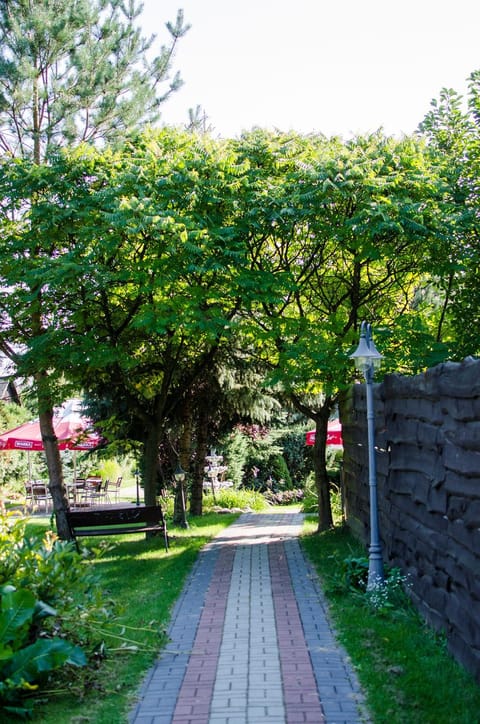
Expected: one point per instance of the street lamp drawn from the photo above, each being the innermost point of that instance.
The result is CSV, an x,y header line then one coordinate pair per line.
x,y
367,359
137,482
181,517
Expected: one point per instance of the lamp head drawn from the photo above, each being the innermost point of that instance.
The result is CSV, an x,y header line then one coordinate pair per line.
x,y
179,473
366,356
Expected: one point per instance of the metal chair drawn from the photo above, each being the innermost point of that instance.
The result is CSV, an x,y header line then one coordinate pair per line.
x,y
105,497
116,492
29,499
38,494
92,491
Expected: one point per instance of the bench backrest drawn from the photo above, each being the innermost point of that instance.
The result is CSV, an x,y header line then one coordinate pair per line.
x,y
151,514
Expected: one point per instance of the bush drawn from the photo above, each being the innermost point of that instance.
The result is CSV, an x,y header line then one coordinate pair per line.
x,y
266,459
310,500
279,473
235,451
380,597
267,469
230,498
284,497
51,609
297,456
355,573
334,465
24,664
310,497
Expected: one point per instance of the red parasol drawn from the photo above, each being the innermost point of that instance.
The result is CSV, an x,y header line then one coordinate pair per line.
x,y
334,434
73,431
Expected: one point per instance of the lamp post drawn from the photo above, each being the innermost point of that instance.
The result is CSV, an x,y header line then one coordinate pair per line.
x,y
137,482
367,358
179,475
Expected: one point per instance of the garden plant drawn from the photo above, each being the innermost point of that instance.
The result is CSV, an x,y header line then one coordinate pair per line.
x,y
109,605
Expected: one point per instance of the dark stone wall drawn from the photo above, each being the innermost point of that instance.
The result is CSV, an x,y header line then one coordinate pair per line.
x,y
427,444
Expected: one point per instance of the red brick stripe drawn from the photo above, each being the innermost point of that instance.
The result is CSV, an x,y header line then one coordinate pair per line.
x,y
194,699
301,700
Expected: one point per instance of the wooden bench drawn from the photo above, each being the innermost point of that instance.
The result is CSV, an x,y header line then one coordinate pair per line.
x,y
118,521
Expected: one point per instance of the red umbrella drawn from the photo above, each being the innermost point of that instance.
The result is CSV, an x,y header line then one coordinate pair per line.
x,y
73,431
334,434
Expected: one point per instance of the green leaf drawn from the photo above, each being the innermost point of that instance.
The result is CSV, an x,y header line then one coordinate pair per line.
x,y
43,656
17,608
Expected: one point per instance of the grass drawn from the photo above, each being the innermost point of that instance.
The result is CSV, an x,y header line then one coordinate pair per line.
x,y
144,581
404,667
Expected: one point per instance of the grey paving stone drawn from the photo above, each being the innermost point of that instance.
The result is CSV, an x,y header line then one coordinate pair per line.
x,y
248,686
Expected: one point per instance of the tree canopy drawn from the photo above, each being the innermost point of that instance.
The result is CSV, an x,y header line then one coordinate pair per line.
x,y
147,275
449,299
173,249
149,272
346,226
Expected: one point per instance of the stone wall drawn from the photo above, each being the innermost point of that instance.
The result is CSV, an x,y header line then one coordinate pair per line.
x,y
428,474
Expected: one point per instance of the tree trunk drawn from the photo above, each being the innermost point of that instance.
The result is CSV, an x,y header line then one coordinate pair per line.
x,y
320,416
325,519
150,465
196,493
185,446
52,454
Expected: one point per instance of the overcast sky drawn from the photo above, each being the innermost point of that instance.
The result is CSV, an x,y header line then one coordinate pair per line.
x,y
336,67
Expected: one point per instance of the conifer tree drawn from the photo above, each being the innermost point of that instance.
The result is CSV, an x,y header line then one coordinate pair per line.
x,y
78,70
71,71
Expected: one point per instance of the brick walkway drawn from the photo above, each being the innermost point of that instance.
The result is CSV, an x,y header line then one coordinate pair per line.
x,y
250,641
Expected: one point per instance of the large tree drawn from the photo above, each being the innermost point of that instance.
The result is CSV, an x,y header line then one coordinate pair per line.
x,y
345,224
70,72
78,70
147,277
449,298
167,252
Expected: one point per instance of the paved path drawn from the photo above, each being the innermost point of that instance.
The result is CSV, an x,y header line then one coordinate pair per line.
x,y
250,641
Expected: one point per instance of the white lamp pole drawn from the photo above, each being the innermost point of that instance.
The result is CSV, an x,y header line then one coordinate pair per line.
x,y
367,358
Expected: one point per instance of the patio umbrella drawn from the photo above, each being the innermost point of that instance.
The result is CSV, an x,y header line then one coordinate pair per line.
x,y
72,429
334,434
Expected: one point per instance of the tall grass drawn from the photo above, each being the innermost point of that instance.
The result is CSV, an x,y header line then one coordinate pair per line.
x,y
232,498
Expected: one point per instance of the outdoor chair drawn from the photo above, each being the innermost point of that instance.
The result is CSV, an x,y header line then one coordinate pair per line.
x,y
105,497
29,500
37,495
92,492
75,491
116,491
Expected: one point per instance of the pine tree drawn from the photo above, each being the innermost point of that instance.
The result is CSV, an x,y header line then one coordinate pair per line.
x,y
78,70
71,71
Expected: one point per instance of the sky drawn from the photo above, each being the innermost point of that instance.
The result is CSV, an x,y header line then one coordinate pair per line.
x,y
338,67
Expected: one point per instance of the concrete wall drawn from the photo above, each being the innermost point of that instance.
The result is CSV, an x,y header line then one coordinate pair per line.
x,y
428,474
